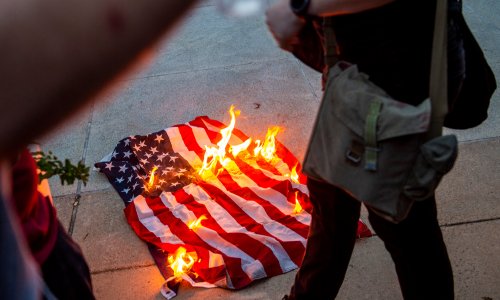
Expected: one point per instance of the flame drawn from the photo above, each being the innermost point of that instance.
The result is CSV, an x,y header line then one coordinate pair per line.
x,y
298,208
218,154
269,147
294,176
215,156
151,181
181,262
236,149
257,148
196,223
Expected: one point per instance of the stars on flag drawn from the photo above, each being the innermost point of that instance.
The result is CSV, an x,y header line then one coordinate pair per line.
x,y
109,166
161,157
153,150
130,178
159,138
127,154
123,168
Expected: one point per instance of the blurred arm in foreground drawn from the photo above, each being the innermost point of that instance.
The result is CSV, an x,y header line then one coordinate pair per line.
x,y
285,25
58,55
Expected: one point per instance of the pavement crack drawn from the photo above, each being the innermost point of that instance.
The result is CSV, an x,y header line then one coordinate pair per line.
x,y
470,222
311,88
122,268
205,69
76,203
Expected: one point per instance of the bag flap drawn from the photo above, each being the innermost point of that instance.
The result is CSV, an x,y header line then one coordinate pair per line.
x,y
352,93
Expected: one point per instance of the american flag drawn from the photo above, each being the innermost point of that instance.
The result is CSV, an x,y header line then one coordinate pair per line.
x,y
251,230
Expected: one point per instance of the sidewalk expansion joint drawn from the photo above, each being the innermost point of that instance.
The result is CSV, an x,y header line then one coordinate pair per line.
x,y
76,203
206,69
478,140
470,222
122,269
78,196
311,88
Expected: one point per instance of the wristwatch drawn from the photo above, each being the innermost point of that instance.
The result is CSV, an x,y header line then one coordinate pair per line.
x,y
300,7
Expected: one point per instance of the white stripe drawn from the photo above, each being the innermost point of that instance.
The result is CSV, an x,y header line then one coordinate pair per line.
x,y
229,224
153,224
253,268
178,146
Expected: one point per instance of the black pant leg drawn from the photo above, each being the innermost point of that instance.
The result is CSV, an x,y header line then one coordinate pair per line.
x,y
330,243
418,251
65,271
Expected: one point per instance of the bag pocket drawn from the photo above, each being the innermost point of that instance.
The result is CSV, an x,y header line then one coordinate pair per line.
x,y
435,159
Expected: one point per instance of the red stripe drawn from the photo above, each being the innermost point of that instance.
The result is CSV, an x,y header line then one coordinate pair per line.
x,y
190,141
180,229
254,248
290,160
143,232
261,179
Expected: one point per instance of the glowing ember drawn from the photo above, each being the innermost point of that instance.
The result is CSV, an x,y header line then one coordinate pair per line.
x,y
298,208
181,262
196,223
151,181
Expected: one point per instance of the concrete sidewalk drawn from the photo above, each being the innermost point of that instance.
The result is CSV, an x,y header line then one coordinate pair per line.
x,y
213,62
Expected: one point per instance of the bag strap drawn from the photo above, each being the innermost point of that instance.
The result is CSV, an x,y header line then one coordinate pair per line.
x,y
438,86
331,50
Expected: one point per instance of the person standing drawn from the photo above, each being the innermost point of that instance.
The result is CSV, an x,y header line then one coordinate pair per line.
x,y
391,41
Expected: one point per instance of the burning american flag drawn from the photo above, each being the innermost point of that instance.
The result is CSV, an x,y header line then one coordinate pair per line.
x,y
227,209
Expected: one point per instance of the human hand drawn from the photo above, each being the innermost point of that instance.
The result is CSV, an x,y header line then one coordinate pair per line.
x,y
283,24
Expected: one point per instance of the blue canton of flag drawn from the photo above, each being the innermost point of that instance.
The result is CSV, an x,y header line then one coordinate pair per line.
x,y
133,160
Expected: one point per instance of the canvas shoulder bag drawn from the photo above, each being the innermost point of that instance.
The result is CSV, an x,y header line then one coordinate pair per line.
x,y
385,153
